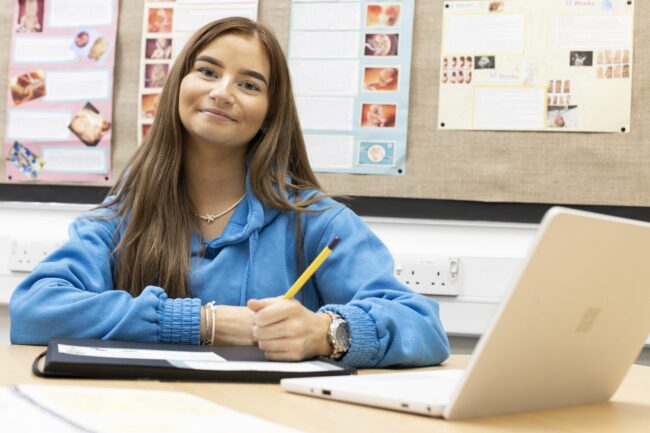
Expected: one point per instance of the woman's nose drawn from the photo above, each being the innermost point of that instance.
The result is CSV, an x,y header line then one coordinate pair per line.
x,y
222,92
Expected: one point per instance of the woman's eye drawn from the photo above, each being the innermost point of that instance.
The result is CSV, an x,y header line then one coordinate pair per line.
x,y
249,85
207,72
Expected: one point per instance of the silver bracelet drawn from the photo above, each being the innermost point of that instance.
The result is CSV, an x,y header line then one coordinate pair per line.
x,y
206,339
213,319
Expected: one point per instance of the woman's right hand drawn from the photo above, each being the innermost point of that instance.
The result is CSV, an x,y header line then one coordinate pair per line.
x,y
233,326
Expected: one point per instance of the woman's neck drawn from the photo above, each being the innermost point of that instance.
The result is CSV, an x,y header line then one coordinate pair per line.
x,y
215,178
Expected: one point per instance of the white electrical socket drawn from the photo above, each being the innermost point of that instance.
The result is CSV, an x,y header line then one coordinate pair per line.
x,y
429,275
25,254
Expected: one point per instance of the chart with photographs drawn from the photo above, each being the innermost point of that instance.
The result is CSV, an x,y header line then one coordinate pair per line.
x,y
554,65
60,96
167,25
350,62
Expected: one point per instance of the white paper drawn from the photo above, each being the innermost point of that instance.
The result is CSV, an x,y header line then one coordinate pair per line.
x,y
40,51
19,415
123,353
509,108
591,31
327,45
86,160
77,85
120,410
293,367
178,44
43,125
78,13
189,20
484,34
326,16
330,151
326,113
333,77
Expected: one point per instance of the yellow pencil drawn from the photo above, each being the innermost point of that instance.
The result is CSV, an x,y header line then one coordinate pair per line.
x,y
311,269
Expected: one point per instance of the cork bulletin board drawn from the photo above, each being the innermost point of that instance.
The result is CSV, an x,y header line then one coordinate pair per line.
x,y
483,166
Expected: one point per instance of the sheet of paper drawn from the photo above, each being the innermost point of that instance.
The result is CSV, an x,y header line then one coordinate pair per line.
x,y
350,63
330,152
293,367
119,410
509,108
553,65
59,103
123,353
165,29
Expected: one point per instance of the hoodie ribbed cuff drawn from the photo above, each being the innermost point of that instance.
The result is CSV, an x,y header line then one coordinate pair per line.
x,y
180,321
365,344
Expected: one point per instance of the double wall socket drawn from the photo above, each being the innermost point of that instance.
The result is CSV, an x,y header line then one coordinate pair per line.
x,y
25,254
429,275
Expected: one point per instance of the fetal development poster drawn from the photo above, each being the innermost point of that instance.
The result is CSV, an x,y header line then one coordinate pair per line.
x,y
351,65
552,65
59,102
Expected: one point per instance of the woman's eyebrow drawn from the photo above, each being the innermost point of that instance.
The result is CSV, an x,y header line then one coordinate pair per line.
x,y
219,63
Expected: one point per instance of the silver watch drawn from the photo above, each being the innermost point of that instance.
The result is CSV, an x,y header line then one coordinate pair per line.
x,y
338,335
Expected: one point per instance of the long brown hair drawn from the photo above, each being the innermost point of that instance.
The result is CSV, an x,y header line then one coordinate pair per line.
x,y
150,197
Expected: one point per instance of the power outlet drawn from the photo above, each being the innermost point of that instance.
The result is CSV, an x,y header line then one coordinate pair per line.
x,y
428,275
26,254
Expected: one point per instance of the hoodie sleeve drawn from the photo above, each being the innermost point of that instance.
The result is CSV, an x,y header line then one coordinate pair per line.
x,y
390,324
70,294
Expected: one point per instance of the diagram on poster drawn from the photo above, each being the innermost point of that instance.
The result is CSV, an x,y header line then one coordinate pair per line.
x,y
167,25
350,62
553,65
59,102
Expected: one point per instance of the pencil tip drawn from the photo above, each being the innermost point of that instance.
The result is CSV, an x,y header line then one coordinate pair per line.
x,y
334,243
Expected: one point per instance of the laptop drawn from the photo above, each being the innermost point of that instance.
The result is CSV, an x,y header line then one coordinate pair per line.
x,y
574,321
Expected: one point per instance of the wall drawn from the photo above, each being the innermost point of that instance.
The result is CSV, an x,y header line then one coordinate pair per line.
x,y
523,167
489,253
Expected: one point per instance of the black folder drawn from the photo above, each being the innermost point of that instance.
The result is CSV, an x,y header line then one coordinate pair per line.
x,y
67,364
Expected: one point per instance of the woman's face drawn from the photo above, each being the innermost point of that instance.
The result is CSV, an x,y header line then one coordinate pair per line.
x,y
223,100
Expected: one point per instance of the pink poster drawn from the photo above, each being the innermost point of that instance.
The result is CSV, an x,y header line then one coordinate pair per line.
x,y
59,103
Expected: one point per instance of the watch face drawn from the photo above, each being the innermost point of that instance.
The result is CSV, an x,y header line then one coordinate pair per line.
x,y
343,336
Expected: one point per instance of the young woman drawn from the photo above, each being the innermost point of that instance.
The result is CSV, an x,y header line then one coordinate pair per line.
x,y
220,205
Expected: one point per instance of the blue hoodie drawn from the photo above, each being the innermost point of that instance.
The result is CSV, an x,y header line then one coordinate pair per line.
x,y
71,294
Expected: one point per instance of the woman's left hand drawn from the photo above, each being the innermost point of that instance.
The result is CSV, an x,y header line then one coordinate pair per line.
x,y
287,331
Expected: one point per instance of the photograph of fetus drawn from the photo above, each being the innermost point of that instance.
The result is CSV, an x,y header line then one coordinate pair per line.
x,y
381,44
89,125
383,15
149,105
381,79
562,116
98,49
581,58
27,87
155,75
457,69
613,64
378,115
160,20
30,16
158,49
377,153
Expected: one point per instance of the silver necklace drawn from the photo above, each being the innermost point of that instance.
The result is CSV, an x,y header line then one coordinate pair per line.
x,y
210,218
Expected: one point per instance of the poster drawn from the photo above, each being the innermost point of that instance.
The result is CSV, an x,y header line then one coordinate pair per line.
x,y
351,64
553,65
59,103
166,27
